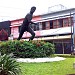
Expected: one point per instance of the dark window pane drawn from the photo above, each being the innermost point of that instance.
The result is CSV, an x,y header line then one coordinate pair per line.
x,y
60,22
51,24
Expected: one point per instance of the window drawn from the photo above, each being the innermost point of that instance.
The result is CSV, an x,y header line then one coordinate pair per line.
x,y
60,22
67,48
58,48
55,24
65,22
37,26
19,28
70,21
47,25
40,26
51,24
43,25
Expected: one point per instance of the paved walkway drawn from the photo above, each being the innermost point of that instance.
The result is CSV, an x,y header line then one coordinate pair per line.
x,y
40,59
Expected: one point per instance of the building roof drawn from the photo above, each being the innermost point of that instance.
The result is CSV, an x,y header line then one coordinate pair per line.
x,y
71,9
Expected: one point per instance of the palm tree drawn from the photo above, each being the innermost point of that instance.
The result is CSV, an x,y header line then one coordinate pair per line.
x,y
9,66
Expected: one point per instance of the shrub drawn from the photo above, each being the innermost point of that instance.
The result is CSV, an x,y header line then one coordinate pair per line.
x,y
9,66
7,47
27,49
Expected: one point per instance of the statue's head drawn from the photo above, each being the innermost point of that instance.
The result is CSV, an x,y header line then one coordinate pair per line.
x,y
32,9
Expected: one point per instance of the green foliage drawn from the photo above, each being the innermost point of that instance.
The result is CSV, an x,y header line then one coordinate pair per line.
x,y
7,47
8,66
27,49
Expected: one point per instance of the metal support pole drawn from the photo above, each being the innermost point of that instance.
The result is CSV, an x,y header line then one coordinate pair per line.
x,y
74,39
74,34
71,33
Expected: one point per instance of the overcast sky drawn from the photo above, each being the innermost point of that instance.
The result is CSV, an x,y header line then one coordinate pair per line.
x,y
15,9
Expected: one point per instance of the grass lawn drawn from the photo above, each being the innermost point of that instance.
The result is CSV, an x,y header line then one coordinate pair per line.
x,y
50,68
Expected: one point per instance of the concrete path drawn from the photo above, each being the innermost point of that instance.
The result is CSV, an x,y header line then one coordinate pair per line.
x,y
40,59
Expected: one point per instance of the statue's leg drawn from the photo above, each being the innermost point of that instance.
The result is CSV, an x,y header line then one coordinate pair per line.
x,y
31,31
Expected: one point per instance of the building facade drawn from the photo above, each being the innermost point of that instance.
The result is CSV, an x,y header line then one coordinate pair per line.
x,y
55,27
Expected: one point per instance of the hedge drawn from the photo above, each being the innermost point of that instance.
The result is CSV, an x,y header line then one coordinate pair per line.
x,y
27,49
